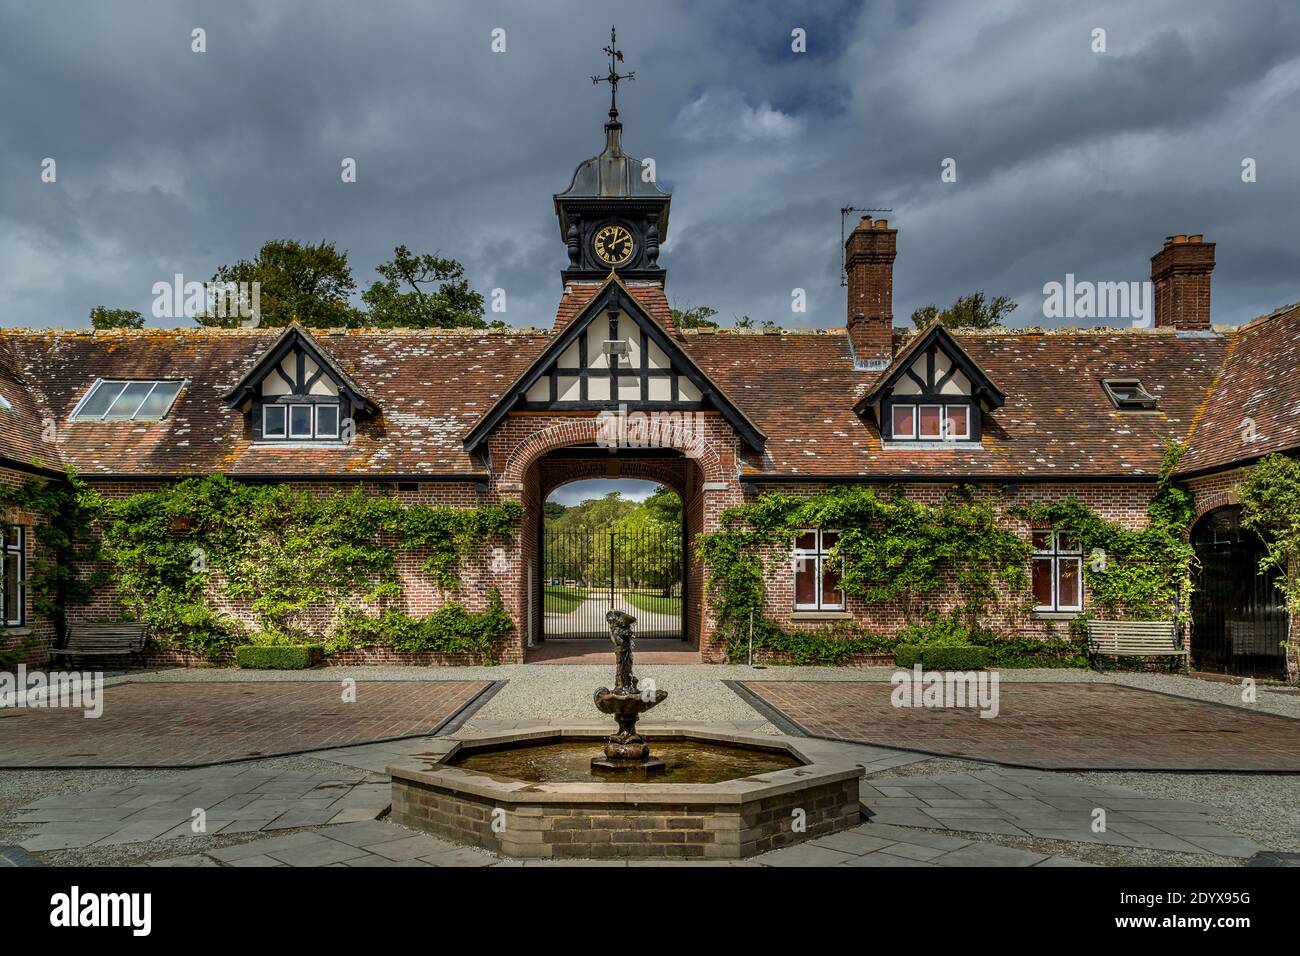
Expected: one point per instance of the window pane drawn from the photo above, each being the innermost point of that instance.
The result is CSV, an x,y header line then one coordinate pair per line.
x,y
327,421
930,416
128,401
1042,540
1067,588
904,421
1043,582
828,539
273,421
958,423
159,400
12,612
299,421
831,596
1066,542
806,541
805,582
100,399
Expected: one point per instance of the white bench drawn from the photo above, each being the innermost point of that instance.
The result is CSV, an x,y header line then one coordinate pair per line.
x,y
1133,639
102,640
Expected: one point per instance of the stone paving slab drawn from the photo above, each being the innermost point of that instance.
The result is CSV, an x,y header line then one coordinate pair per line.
x,y
190,724
1051,806
1058,725
246,800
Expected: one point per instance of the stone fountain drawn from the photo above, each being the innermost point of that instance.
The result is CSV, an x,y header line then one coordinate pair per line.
x,y
571,791
626,750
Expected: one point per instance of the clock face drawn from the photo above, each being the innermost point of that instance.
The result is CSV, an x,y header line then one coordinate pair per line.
x,y
613,245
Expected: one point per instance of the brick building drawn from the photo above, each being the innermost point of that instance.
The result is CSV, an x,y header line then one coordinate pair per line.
x,y
461,417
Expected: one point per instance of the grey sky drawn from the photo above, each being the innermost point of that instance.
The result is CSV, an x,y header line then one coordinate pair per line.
x,y
1068,161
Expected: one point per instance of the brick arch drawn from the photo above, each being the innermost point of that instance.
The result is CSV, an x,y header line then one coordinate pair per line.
x,y
1220,499
586,430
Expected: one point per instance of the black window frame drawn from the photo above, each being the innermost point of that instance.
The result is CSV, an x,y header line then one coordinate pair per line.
x,y
1140,401
287,402
973,427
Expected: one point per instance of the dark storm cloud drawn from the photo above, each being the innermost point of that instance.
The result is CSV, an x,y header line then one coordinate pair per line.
x,y
1068,160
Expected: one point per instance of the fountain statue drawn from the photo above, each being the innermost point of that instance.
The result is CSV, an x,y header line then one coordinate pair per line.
x,y
626,750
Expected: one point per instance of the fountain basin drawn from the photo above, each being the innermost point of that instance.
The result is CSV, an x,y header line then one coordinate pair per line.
x,y
439,792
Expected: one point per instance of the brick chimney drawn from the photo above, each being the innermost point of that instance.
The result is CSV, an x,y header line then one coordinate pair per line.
x,y
1180,280
869,261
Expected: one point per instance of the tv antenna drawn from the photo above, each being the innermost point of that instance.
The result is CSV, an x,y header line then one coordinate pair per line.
x,y
844,217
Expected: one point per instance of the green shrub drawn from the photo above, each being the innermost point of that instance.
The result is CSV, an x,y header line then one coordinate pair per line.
x,y
278,657
450,630
949,657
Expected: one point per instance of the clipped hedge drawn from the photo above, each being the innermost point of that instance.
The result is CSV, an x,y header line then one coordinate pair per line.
x,y
279,657
950,657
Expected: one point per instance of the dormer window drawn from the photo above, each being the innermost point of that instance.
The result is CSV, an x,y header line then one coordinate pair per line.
x,y
298,394
1128,395
118,400
933,393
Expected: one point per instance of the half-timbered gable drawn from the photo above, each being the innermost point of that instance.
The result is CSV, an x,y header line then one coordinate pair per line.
x,y
612,356
297,393
934,391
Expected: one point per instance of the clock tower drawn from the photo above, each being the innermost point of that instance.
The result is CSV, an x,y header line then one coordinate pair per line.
x,y
613,216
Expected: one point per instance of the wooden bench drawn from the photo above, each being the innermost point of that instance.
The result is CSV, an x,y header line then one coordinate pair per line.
x,y
102,640
1133,639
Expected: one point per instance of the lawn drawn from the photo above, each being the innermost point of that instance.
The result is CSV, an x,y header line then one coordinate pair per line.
x,y
654,603
562,600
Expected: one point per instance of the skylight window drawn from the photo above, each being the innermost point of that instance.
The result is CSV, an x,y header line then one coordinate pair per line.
x,y
4,405
114,400
1127,394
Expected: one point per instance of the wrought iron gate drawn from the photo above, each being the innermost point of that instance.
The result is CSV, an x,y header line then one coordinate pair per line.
x,y
587,573
1239,620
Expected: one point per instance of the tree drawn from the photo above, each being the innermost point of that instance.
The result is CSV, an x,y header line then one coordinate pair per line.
x,y
102,317
310,284
968,312
697,317
406,297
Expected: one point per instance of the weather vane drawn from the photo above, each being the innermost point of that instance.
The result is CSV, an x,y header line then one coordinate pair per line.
x,y
615,58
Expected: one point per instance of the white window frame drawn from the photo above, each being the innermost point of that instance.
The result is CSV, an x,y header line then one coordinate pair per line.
x,y
316,420
311,421
314,434
8,548
1055,554
916,423
943,426
284,433
818,555
945,433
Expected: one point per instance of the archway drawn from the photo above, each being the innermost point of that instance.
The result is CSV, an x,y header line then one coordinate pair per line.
x,y
612,544
1239,619
573,576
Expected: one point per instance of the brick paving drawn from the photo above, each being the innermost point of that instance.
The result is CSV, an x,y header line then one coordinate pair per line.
x,y
194,724
1056,726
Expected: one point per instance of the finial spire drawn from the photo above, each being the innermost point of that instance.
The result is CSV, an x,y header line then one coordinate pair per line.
x,y
612,78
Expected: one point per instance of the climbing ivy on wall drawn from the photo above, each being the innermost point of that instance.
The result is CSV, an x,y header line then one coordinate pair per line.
x,y
1134,574
285,552
1270,498
63,540
897,548
892,547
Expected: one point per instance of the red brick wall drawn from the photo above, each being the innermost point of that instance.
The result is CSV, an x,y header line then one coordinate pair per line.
x,y
1125,504
34,640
